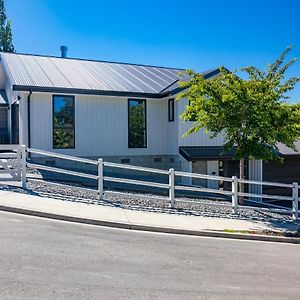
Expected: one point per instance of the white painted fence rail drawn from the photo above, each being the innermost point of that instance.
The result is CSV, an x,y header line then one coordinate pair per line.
x,y
171,186
11,162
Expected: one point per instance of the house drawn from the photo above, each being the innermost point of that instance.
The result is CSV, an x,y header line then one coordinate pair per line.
x,y
125,113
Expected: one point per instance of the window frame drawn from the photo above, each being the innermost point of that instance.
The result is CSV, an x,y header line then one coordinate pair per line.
x,y
53,126
128,125
171,117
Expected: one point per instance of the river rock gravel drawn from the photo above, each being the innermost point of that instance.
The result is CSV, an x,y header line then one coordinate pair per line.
x,y
152,203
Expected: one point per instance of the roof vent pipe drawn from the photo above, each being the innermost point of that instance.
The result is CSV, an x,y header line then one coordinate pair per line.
x,y
64,51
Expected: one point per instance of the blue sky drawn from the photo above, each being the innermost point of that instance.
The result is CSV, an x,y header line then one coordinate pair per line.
x,y
193,34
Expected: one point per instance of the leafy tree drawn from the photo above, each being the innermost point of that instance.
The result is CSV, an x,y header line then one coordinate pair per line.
x,y
252,113
6,44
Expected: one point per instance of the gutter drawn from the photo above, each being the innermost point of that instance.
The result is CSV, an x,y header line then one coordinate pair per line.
x,y
55,90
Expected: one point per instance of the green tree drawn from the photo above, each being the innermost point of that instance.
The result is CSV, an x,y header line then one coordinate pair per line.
x,y
252,113
6,44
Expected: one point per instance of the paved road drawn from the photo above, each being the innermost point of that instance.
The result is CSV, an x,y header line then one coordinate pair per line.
x,y
47,259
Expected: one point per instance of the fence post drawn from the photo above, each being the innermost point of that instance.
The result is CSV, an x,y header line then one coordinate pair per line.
x,y
295,201
19,163
172,187
100,178
234,188
23,156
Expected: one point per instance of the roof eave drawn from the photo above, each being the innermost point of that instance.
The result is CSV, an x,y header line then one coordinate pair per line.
x,y
22,88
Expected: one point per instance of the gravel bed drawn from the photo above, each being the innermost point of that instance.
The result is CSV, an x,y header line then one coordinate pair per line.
x,y
140,202
202,207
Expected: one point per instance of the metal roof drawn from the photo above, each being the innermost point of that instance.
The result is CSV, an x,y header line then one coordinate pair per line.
x,y
3,98
285,151
191,153
70,75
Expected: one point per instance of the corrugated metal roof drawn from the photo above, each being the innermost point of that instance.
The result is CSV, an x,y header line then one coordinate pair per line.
x,y
3,98
205,153
285,151
191,153
174,88
55,74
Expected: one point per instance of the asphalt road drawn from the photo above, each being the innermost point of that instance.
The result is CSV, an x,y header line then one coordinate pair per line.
x,y
47,259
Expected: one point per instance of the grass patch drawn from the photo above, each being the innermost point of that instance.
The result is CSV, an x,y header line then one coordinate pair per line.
x,y
239,231
295,234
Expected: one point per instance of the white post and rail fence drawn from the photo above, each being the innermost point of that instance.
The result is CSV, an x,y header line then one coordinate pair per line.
x,y
20,153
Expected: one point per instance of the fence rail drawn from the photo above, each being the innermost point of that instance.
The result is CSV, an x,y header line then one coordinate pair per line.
x,y
234,193
203,176
136,182
62,171
10,162
62,156
277,184
135,168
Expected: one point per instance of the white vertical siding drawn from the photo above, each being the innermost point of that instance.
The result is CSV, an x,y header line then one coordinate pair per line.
x,y
213,169
255,173
200,138
41,121
23,120
101,126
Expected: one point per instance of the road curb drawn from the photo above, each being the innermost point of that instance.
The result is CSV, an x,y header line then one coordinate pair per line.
x,y
204,233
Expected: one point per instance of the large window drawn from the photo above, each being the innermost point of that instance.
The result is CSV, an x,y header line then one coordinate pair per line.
x,y
63,122
137,124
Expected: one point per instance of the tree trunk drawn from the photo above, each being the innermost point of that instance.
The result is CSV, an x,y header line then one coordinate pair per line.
x,y
242,176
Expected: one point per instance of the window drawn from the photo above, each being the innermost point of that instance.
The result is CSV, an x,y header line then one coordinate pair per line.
x,y
171,110
137,132
63,122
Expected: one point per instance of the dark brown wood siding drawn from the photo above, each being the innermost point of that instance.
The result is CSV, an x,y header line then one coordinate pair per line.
x,y
286,172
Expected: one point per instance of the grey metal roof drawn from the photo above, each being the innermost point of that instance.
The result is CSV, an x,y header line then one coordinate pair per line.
x,y
285,151
55,74
191,153
205,153
174,88
3,98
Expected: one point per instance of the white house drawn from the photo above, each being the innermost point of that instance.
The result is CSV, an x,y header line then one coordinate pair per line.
x,y
122,112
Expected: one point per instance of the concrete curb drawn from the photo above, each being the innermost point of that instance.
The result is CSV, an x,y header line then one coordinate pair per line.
x,y
205,233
